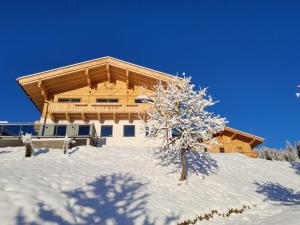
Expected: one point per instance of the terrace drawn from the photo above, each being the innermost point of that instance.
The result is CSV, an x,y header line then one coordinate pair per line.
x,y
14,131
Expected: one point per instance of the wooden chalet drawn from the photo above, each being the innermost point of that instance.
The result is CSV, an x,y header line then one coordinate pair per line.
x,y
106,92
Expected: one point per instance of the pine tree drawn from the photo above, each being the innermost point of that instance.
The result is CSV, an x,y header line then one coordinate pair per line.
x,y
179,109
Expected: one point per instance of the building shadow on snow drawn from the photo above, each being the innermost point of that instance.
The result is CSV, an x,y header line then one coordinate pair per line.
x,y
113,199
40,151
277,193
296,167
197,162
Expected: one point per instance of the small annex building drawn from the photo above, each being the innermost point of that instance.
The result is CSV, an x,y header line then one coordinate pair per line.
x,y
106,92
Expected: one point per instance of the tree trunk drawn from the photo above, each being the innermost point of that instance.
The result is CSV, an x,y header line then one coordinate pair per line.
x,y
29,150
298,149
183,165
65,147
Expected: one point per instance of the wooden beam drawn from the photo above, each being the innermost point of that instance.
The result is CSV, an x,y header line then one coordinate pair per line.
x,y
83,116
129,117
88,78
108,73
233,136
68,118
114,117
127,79
41,86
252,142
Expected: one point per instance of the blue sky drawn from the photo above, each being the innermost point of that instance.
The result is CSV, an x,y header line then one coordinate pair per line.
x,y
246,52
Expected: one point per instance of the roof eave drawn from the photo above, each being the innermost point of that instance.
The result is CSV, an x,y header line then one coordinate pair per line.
x,y
29,97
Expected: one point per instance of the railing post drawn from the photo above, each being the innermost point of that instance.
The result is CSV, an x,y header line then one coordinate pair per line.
x,y
19,133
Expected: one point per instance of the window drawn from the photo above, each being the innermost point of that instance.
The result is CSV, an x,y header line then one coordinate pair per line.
x,y
222,150
107,100
139,101
142,100
239,149
60,130
106,131
129,130
69,100
84,130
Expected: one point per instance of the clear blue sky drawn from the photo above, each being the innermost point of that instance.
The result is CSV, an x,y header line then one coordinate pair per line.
x,y
246,52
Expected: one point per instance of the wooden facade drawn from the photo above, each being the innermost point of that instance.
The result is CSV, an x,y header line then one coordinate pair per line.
x,y
107,89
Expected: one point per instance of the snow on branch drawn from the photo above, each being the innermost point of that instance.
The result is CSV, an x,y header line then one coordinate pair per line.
x,y
180,115
27,141
181,110
67,142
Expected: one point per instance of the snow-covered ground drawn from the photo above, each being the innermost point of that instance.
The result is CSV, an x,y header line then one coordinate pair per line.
x,y
134,186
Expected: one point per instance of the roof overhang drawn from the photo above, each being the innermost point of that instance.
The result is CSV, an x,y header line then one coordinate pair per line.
x,y
243,136
42,86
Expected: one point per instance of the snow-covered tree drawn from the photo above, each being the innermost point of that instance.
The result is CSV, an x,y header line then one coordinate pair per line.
x,y
179,115
27,141
67,142
290,153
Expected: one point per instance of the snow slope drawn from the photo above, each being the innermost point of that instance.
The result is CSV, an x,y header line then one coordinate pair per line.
x,y
135,186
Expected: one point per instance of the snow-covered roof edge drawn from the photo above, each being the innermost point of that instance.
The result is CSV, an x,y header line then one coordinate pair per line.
x,y
248,134
93,60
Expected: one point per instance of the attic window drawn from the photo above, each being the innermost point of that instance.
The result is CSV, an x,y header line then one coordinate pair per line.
x,y
69,100
139,101
142,99
107,100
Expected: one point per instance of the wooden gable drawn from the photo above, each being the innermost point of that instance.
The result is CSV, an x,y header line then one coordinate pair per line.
x,y
43,86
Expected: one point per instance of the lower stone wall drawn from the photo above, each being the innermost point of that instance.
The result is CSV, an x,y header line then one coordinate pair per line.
x,y
41,143
56,143
10,143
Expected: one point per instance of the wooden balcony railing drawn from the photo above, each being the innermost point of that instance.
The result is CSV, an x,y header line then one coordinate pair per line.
x,y
95,108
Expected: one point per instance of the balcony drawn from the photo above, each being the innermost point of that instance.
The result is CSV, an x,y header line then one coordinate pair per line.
x,y
16,130
96,108
48,135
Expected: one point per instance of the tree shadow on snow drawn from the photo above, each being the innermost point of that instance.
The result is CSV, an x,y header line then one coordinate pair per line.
x,y
197,162
296,167
73,151
4,152
113,199
40,151
277,193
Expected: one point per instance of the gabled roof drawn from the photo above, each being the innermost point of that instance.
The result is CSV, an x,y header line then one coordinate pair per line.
x,y
41,86
246,137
